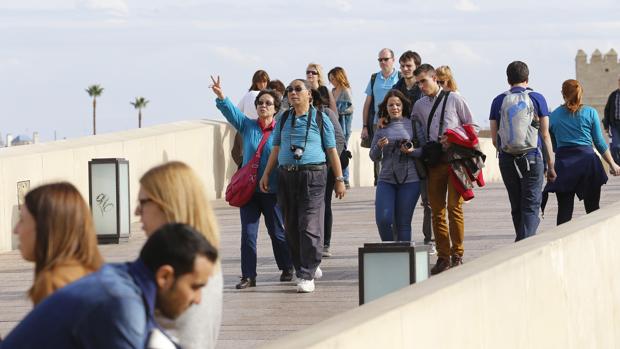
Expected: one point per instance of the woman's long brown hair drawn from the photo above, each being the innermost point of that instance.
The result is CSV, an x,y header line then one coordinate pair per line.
x,y
64,227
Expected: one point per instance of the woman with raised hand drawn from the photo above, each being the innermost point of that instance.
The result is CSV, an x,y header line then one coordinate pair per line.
x,y
267,105
56,232
316,78
398,185
574,129
169,193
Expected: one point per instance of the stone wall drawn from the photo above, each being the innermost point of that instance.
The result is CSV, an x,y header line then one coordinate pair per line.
x,y
599,77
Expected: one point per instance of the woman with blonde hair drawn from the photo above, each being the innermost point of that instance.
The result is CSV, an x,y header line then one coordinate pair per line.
x,y
316,78
56,232
172,192
445,79
574,128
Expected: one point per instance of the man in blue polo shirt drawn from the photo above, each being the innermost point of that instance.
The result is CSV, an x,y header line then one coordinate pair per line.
x,y
301,149
523,173
378,86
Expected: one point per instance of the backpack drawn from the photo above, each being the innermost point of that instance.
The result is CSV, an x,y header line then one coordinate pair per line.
x,y
319,123
518,124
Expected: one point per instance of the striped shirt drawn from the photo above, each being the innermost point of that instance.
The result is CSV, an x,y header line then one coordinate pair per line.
x,y
457,113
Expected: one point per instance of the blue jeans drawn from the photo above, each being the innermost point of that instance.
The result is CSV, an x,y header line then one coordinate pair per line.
x,y
265,204
525,194
345,123
395,203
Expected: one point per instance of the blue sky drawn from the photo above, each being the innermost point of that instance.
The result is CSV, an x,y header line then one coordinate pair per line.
x,y
166,50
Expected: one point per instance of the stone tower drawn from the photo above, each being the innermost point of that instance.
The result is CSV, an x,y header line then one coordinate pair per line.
x,y
599,77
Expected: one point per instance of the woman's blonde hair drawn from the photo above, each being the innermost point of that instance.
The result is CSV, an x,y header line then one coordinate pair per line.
x,y
339,75
572,93
444,73
319,69
180,194
64,228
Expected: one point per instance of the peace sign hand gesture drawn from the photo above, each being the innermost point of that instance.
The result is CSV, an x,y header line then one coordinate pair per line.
x,y
217,87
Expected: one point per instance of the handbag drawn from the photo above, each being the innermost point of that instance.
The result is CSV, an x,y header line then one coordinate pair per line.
x,y
432,151
243,183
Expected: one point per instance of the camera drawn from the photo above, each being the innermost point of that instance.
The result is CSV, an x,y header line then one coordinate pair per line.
x,y
407,143
298,152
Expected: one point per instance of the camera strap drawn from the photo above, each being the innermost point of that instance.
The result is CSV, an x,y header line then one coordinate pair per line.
x,y
442,95
311,111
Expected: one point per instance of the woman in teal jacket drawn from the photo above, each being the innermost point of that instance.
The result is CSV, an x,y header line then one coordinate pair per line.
x,y
267,104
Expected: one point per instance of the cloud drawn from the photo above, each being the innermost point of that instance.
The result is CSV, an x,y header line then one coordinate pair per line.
x,y
235,55
115,7
466,6
342,5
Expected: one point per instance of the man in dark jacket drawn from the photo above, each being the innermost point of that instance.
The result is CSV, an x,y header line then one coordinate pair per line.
x,y
611,122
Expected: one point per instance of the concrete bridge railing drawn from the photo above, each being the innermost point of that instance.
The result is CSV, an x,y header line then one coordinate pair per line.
x,y
559,289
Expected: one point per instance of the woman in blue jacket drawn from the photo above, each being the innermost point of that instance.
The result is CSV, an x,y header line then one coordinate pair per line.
x,y
574,128
267,104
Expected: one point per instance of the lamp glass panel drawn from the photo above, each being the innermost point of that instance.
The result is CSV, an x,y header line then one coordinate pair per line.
x,y
421,265
103,182
384,273
123,193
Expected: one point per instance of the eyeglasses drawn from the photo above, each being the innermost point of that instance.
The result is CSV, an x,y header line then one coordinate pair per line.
x,y
265,103
441,82
297,89
384,59
312,72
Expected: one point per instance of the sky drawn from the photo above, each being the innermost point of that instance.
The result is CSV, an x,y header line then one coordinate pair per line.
x,y
165,50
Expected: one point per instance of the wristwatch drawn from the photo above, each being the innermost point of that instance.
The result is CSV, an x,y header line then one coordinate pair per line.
x,y
339,179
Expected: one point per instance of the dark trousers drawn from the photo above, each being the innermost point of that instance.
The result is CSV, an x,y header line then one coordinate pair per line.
x,y
427,230
525,194
566,203
329,219
301,194
265,204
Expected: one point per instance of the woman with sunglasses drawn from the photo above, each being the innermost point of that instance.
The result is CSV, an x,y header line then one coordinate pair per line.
x,y
267,104
316,78
173,193
398,185
445,79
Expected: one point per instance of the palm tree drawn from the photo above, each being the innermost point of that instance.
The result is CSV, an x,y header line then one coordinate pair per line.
x,y
140,103
94,91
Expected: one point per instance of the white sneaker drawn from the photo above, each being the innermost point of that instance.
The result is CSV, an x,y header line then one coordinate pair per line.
x,y
305,286
318,273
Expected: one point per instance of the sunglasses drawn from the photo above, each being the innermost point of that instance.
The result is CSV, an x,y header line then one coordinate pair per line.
x,y
441,82
297,89
384,59
312,72
265,103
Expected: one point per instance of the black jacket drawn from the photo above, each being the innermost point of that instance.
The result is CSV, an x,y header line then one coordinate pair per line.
x,y
609,118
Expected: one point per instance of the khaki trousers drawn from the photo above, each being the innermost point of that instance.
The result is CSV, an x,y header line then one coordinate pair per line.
x,y
438,185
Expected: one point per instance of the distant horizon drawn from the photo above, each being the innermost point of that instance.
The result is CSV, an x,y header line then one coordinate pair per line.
x,y
166,51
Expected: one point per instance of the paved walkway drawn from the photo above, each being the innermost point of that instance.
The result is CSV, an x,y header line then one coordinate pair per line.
x,y
273,309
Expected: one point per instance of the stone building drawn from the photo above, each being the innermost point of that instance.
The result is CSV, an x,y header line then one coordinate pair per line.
x,y
599,77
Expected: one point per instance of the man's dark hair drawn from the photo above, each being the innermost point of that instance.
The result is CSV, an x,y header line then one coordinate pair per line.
x,y
318,101
425,68
411,55
517,72
277,98
176,245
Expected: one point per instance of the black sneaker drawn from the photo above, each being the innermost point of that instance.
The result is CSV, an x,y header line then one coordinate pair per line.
x,y
287,275
456,260
245,283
